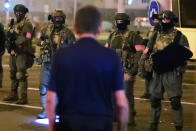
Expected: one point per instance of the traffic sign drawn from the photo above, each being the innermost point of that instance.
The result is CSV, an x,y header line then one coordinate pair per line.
x,y
153,9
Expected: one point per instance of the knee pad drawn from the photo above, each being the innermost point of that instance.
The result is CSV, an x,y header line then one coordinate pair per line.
x,y
175,103
155,102
20,75
43,91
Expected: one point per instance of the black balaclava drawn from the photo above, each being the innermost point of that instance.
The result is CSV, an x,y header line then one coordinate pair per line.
x,y
121,26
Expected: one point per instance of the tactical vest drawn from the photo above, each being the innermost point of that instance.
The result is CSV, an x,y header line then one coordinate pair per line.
x,y
120,42
163,40
19,26
54,41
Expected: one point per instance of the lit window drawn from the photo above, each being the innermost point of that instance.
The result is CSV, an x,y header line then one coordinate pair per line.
x,y
129,2
145,1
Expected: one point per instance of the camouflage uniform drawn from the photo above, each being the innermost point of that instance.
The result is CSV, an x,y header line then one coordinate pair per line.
x,y
51,40
148,75
2,50
19,57
128,45
171,81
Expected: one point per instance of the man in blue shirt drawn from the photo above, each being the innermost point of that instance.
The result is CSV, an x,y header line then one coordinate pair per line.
x,y
85,78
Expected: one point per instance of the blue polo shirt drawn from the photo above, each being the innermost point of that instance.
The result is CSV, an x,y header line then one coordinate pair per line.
x,y
84,76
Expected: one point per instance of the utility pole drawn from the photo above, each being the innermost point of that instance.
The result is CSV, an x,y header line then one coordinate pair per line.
x,y
75,9
120,6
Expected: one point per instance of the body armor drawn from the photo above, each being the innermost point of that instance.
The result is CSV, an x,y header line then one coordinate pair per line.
x,y
119,42
163,40
53,40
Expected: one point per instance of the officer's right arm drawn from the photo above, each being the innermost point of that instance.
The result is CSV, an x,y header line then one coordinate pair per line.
x,y
2,39
108,41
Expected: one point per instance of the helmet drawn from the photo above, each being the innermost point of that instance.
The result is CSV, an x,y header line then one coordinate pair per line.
x,y
122,20
166,14
166,26
58,13
57,17
20,8
121,16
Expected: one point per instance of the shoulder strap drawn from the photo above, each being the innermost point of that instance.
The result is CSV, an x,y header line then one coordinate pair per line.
x,y
152,41
177,37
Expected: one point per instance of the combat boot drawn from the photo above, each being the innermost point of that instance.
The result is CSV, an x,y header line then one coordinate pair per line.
x,y
42,115
178,128
22,101
145,96
154,127
132,118
12,97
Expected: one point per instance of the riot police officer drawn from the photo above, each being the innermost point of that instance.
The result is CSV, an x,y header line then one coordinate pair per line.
x,y
148,75
2,50
128,44
54,36
170,80
19,46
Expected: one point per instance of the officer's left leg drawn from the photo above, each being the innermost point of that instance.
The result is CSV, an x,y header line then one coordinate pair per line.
x,y
21,75
44,79
177,112
173,86
129,86
1,72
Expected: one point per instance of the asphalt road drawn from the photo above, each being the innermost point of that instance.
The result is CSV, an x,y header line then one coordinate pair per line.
x,y
22,118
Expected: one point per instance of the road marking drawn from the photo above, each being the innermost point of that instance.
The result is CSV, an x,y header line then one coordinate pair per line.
x,y
7,65
26,106
33,89
38,107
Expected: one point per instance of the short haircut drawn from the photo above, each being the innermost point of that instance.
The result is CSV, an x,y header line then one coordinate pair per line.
x,y
88,20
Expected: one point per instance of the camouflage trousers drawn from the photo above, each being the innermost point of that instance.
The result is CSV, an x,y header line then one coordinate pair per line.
x,y
18,75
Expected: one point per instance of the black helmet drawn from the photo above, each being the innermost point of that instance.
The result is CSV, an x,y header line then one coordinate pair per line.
x,y
20,8
121,16
166,14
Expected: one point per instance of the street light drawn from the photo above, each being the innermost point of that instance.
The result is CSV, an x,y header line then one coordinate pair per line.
x,y
7,5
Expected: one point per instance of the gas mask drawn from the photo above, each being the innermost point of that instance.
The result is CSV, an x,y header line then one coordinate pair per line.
x,y
58,21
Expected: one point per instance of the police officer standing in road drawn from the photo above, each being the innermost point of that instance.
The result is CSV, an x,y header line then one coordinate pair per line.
x,y
2,50
19,46
169,80
148,75
128,44
54,36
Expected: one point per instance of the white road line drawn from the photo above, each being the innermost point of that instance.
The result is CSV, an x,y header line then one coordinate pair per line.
x,y
26,106
7,65
33,89
37,107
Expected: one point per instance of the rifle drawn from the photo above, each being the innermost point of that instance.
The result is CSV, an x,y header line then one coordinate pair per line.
x,y
11,37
